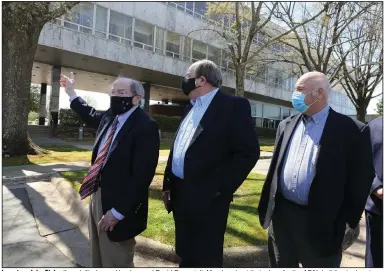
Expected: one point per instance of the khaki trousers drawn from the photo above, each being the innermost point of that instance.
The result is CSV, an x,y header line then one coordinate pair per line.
x,y
104,252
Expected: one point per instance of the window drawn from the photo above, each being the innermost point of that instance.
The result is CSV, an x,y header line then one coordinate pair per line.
x,y
80,18
159,43
173,44
200,7
187,48
143,35
214,54
180,5
285,112
120,27
271,112
190,8
199,50
101,22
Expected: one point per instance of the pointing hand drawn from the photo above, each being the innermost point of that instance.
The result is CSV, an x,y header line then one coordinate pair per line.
x,y
68,83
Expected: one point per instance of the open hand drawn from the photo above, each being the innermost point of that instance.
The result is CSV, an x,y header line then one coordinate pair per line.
x,y
108,222
68,83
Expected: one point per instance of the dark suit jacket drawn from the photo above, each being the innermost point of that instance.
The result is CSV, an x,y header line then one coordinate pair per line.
x,y
373,203
130,167
221,154
340,186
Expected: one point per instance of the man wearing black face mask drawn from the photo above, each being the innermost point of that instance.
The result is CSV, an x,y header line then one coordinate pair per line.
x,y
124,160
214,150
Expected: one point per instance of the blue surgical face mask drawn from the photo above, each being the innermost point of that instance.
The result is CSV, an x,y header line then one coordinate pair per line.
x,y
298,101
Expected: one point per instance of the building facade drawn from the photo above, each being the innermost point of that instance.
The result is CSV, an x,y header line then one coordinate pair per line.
x,y
155,42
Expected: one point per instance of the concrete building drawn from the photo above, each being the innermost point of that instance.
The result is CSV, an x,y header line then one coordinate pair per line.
x,y
153,42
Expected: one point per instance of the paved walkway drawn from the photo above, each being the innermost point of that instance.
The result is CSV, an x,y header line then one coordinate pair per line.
x,y
55,242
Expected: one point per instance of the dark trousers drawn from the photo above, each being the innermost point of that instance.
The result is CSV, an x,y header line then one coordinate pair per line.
x,y
199,236
288,238
374,238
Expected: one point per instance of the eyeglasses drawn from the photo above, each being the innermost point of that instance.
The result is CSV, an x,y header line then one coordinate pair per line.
x,y
119,92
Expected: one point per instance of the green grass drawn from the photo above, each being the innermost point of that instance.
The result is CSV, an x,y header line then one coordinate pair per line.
x,y
56,154
243,228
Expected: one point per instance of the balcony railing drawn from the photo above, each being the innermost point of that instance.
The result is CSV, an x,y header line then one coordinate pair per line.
x,y
149,47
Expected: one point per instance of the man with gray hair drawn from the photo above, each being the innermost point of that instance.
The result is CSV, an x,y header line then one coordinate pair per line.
x,y
214,150
124,160
318,181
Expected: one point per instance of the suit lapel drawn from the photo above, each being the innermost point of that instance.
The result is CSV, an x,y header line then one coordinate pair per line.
x,y
207,117
126,128
287,135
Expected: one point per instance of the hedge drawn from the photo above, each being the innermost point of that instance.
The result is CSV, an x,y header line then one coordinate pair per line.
x,y
167,123
70,118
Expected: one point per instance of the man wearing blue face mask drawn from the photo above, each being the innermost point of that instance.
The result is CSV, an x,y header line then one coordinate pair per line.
x,y
318,181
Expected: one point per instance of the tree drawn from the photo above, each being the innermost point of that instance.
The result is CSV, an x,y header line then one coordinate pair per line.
x,y
34,99
22,24
238,24
360,52
379,107
314,43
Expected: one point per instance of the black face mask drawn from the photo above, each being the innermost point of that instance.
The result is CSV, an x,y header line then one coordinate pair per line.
x,y
120,105
188,85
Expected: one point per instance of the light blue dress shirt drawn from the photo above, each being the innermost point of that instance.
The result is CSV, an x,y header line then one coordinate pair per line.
x,y
186,131
121,120
299,166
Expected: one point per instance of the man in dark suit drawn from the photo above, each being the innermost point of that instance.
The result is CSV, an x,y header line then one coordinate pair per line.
x,y
374,204
124,160
318,180
214,150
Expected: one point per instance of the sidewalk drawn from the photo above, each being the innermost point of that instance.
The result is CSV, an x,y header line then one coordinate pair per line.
x,y
40,231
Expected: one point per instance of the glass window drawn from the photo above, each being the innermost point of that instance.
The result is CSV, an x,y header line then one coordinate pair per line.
x,y
253,108
190,8
214,54
180,5
120,27
200,7
187,48
199,50
101,21
173,44
82,15
271,111
143,35
159,43
285,112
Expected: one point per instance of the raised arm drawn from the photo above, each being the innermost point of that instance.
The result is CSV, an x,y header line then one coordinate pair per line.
x,y
87,113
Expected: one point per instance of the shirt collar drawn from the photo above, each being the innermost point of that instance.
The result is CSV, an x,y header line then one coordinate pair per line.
x,y
205,99
318,116
123,117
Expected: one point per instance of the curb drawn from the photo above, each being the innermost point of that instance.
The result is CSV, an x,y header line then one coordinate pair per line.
x,y
250,256
44,177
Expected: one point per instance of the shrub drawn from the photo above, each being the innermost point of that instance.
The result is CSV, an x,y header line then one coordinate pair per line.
x,y
70,118
167,123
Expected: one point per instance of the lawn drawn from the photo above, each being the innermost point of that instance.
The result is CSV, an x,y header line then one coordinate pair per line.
x,y
243,227
55,154
70,153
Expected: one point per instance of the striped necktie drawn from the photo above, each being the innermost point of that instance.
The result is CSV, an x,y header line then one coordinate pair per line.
x,y
90,183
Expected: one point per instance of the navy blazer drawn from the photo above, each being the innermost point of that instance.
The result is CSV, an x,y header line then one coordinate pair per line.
x,y
373,203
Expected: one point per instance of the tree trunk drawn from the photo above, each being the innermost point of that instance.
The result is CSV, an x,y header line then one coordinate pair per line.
x,y
361,110
239,81
19,46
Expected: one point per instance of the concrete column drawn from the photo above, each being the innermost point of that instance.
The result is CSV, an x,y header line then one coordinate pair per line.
x,y
55,92
147,87
43,99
